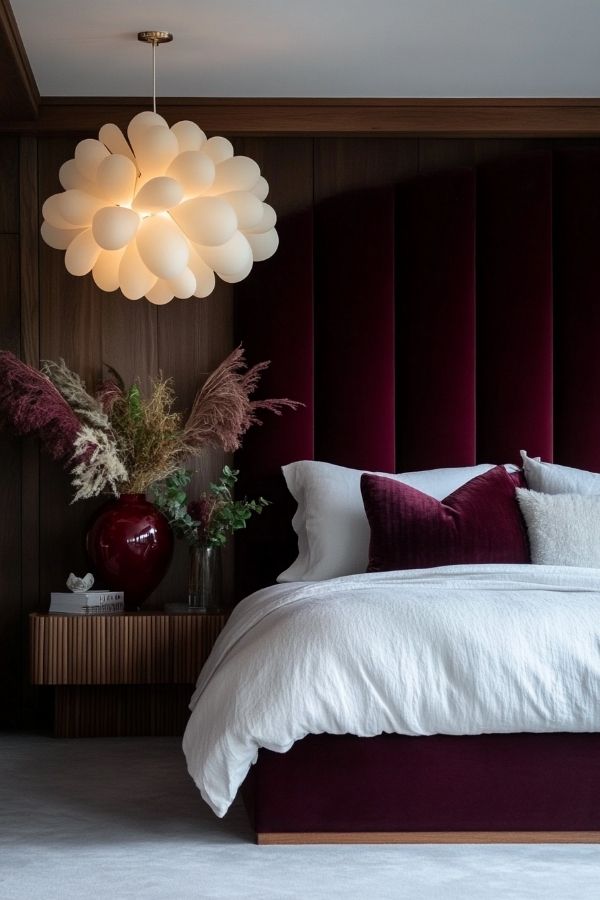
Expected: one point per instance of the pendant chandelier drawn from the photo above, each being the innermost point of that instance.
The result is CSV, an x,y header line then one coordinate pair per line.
x,y
159,214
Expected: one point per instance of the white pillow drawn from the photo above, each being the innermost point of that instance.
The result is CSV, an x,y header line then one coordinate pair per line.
x,y
552,479
563,529
331,524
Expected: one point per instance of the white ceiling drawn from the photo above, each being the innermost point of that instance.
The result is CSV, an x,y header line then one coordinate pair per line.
x,y
316,48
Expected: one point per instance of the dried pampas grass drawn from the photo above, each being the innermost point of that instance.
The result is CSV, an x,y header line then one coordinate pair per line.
x,y
96,465
118,440
30,404
86,407
148,434
222,411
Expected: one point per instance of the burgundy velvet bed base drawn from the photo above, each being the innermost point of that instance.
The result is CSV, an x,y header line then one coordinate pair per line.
x,y
497,787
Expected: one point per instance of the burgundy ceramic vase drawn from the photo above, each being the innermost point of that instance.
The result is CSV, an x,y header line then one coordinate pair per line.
x,y
130,545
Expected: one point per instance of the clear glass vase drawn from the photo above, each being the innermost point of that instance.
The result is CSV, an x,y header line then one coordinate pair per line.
x,y
205,591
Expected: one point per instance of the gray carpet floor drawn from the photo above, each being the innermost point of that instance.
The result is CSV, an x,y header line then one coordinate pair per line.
x,y
120,818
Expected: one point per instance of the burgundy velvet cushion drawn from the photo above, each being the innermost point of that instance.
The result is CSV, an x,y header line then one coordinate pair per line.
x,y
478,523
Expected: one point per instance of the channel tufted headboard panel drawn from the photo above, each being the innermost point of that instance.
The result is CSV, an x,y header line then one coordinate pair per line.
x,y
449,320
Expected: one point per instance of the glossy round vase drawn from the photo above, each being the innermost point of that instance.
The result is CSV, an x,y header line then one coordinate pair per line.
x,y
130,545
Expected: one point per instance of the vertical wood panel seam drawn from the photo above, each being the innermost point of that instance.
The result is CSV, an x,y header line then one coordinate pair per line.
x,y
28,316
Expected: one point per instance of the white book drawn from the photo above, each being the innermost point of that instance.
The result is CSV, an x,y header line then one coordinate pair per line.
x,y
81,601
106,610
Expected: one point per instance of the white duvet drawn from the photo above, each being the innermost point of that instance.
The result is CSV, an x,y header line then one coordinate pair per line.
x,y
453,650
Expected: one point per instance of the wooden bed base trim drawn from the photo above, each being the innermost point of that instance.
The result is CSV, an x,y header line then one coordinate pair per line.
x,y
430,837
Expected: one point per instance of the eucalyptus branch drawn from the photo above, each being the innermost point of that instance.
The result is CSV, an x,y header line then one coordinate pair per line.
x,y
210,519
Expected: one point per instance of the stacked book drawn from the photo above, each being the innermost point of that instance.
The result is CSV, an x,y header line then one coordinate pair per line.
x,y
86,603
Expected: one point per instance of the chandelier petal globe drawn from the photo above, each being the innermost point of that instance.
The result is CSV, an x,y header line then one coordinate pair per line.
x,y
159,213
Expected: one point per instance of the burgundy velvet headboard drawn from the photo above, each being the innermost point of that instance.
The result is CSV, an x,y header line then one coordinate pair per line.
x,y
450,320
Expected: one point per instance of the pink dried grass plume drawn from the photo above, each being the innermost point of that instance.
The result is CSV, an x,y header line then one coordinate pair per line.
x,y
223,411
30,404
110,390
107,395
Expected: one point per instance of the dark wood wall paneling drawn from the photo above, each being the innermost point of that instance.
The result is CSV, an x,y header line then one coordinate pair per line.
x,y
90,328
10,448
47,313
71,328
44,312
30,457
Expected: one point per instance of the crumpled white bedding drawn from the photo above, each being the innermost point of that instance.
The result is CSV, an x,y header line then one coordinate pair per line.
x,y
452,650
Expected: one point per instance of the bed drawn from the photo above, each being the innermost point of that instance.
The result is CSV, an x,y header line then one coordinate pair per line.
x,y
369,666
412,352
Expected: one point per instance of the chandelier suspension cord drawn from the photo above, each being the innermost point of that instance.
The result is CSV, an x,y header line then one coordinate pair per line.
x,y
155,38
153,76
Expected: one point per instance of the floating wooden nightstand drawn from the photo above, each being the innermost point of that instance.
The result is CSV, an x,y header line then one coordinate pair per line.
x,y
130,674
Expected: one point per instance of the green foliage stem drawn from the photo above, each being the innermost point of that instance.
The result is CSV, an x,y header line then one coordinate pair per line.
x,y
223,514
170,497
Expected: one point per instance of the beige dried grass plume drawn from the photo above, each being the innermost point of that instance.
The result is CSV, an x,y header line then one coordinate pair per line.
x,y
118,440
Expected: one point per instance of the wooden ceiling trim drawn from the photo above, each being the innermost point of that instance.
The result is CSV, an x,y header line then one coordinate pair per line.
x,y
271,116
19,96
